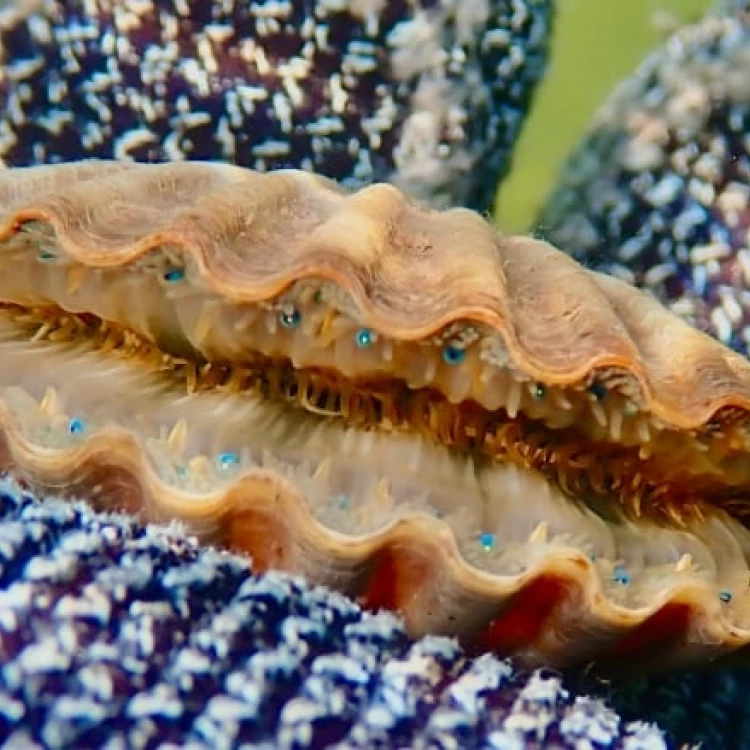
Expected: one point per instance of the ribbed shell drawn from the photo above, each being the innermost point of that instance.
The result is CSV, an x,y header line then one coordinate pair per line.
x,y
410,271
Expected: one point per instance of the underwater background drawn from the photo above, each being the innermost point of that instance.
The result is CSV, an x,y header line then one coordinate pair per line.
x,y
596,44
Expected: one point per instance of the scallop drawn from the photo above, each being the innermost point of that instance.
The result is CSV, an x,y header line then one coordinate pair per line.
x,y
401,403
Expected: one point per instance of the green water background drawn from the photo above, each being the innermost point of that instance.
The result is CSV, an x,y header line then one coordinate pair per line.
x,y
597,43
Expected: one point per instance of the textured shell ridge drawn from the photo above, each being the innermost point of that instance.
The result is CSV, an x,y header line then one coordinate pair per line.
x,y
204,212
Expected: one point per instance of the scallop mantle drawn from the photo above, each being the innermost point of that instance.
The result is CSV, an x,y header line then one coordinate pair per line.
x,y
403,404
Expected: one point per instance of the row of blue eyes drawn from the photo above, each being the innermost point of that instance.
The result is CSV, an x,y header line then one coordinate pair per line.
x,y
487,540
364,337
452,355
620,575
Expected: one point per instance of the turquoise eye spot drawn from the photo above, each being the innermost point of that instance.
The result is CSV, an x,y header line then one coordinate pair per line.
x,y
453,355
75,426
621,576
540,391
364,338
227,460
46,255
290,318
487,540
342,502
725,596
174,274
598,391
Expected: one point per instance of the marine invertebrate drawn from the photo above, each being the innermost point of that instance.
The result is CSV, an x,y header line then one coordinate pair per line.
x,y
116,633
397,402
657,193
413,92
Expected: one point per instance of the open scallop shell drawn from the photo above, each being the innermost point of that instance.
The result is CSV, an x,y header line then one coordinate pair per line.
x,y
207,263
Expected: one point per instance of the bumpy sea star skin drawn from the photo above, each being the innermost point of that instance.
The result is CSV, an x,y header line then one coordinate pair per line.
x,y
115,634
658,192
427,95
401,403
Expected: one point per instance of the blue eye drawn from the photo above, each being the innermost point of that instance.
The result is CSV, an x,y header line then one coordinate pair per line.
x,y
620,575
487,540
725,596
290,318
227,460
599,391
46,255
453,355
174,274
75,426
364,338
342,502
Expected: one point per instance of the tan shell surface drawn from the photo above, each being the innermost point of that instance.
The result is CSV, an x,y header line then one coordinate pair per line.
x,y
554,613
410,271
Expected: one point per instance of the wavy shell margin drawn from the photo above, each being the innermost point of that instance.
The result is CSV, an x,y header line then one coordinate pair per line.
x,y
411,271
